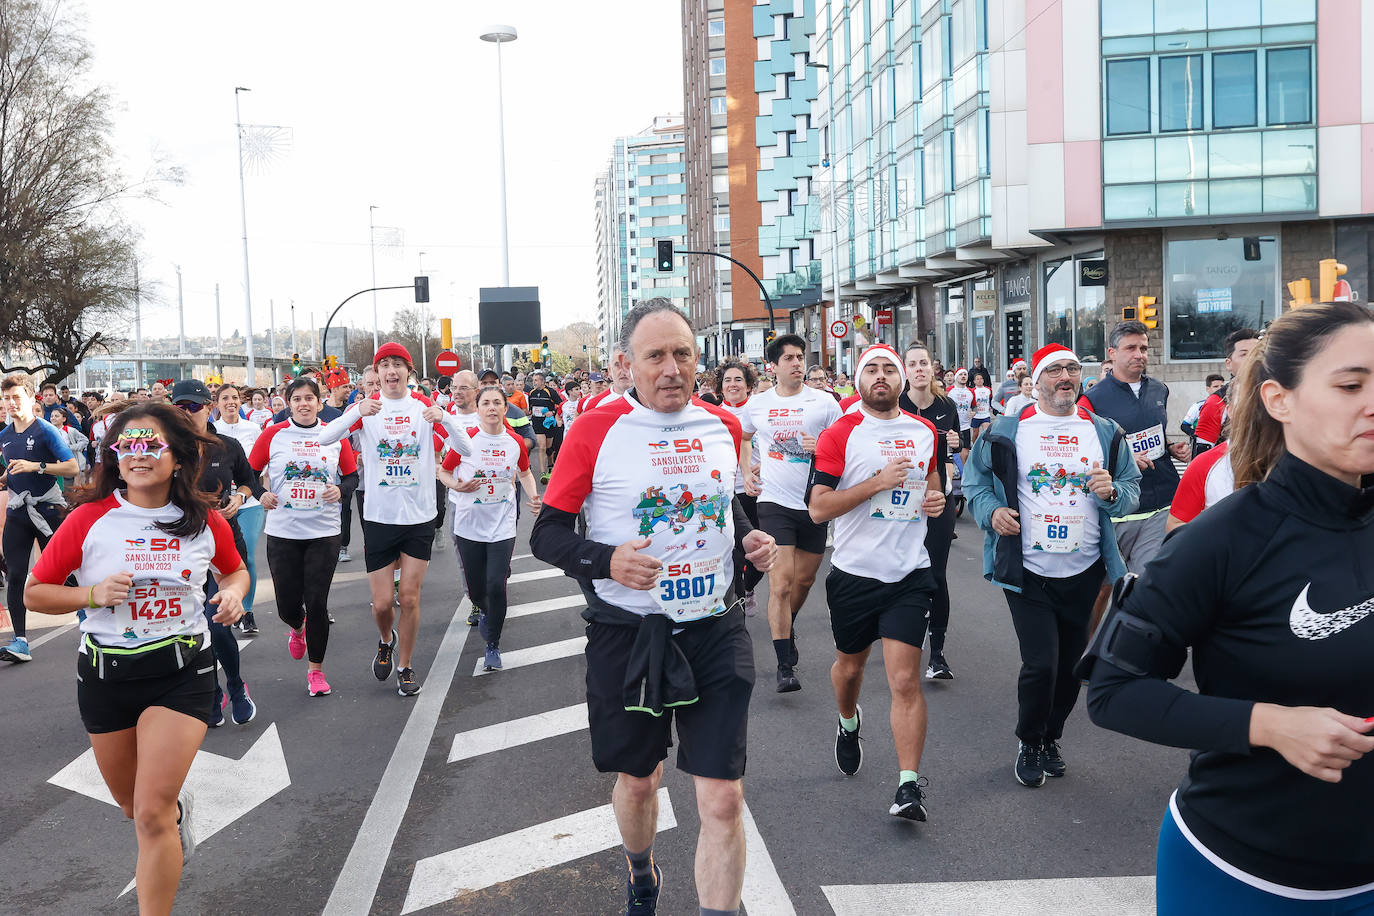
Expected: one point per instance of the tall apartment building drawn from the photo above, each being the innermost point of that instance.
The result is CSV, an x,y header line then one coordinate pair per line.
x,y
640,198
1011,173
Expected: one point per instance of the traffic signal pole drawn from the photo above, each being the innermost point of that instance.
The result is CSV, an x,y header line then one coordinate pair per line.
x,y
766,298
371,289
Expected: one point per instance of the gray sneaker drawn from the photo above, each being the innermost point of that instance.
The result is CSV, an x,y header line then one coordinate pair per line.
x,y
188,839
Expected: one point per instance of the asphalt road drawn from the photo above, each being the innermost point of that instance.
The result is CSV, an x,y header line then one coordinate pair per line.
x,y
479,795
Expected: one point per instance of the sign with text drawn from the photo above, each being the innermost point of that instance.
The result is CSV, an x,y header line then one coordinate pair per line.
x,y
1092,273
1212,301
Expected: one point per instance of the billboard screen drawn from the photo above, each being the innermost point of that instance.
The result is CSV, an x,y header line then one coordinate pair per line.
x,y
508,315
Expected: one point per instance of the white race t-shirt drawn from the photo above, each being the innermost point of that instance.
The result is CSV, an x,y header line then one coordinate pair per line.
x,y
738,411
982,403
467,421
98,430
963,403
488,514
111,536
247,434
570,411
298,469
1060,534
398,448
259,416
779,422
882,538
637,473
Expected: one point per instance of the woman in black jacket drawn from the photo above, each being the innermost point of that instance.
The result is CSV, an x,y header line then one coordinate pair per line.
x,y
1273,591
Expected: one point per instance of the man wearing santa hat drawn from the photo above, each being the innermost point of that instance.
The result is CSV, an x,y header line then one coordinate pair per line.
x,y
1045,486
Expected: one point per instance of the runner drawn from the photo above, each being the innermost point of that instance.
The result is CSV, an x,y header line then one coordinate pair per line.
x,y
620,381
225,474
257,414
982,401
1269,594
251,517
596,383
1207,481
922,398
873,475
660,595
1211,422
736,384
514,393
544,407
36,455
484,512
370,386
464,407
1188,426
572,389
309,484
787,419
963,399
1024,397
139,545
400,434
1037,486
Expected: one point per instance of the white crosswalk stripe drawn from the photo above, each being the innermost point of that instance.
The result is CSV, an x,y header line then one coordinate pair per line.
x,y
505,735
1063,896
520,658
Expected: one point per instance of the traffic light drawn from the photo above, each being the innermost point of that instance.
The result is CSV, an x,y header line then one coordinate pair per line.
x,y
1130,313
544,348
665,255
1251,245
331,362
422,289
769,337
1331,272
1149,315
1301,291
295,364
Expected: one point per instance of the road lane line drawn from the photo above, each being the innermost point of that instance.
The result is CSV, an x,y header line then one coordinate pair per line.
x,y
516,732
472,868
763,893
357,883
1067,896
536,574
520,658
35,643
551,604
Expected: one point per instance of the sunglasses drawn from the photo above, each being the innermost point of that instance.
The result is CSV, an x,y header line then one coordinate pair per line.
x,y
134,443
190,406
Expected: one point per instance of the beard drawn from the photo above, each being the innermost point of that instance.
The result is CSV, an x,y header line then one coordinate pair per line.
x,y
883,400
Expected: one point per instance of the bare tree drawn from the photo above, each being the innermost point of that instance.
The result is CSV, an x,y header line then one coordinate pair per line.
x,y
66,254
408,326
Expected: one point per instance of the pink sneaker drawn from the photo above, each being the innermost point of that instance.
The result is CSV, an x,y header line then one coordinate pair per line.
x,y
316,684
295,644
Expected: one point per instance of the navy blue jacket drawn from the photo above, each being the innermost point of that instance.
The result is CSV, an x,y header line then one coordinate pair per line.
x,y
1114,399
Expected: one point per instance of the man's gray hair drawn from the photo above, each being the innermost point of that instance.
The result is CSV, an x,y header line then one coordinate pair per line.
x,y
1126,329
643,309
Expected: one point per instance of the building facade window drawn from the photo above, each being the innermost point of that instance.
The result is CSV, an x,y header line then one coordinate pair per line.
x,y
1128,96
1234,99
1180,93
715,28
1211,290
1074,314
718,105
1289,93
717,66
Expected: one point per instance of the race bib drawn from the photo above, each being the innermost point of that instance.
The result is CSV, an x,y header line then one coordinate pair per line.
x,y
1057,532
691,590
494,490
157,608
901,504
398,470
1148,443
304,497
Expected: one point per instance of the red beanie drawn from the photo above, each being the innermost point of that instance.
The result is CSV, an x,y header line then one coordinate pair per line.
x,y
391,348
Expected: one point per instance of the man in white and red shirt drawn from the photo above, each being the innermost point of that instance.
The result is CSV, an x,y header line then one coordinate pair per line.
x,y
1045,487
652,470
620,382
962,396
1207,481
399,433
596,383
877,475
787,419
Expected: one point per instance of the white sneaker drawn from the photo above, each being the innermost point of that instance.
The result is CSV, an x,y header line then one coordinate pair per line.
x,y
188,839
343,555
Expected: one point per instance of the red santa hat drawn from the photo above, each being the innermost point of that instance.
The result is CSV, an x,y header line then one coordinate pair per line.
x,y
872,353
1050,353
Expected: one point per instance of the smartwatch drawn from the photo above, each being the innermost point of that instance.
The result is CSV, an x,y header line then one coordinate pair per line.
x,y
42,467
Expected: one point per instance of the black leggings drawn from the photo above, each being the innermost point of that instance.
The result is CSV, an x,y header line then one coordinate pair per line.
x,y
939,536
746,576
346,519
486,567
20,536
222,641
302,570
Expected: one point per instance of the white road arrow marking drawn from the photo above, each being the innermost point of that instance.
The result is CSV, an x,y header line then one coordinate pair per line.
x,y
225,789
505,735
519,658
1068,896
469,869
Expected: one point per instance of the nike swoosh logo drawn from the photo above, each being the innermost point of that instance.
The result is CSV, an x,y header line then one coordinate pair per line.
x,y
941,416
1308,624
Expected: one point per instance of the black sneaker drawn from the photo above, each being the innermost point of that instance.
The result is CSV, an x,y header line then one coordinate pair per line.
x,y
406,685
643,901
792,646
787,679
248,625
849,751
474,615
1029,769
938,669
382,664
907,802
1051,760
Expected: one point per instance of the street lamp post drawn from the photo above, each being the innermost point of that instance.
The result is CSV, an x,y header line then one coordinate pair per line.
x,y
243,212
834,201
372,252
499,35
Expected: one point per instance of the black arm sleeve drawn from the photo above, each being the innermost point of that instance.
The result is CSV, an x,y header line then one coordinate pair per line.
x,y
555,540
1181,592
242,471
348,484
742,524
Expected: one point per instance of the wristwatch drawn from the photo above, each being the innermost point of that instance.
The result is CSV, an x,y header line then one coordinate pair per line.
x,y
42,467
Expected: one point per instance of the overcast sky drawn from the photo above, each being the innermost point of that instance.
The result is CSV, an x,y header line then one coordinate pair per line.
x,y
389,104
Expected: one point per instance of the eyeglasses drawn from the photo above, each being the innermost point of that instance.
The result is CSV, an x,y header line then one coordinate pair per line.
x,y
190,406
1057,371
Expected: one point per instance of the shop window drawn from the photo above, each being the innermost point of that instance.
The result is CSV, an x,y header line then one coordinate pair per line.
x,y
1212,290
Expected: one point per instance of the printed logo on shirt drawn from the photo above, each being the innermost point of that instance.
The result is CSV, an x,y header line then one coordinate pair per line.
x,y
678,507
1058,479
1309,624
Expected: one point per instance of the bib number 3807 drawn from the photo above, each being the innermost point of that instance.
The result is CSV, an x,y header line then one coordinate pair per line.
x,y
687,589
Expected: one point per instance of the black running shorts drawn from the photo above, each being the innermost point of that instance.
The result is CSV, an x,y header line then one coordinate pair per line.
x,y
863,610
711,732
792,527
384,544
114,706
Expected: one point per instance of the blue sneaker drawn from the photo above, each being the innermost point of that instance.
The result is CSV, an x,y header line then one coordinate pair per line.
x,y
482,625
217,713
643,901
493,658
16,651
242,708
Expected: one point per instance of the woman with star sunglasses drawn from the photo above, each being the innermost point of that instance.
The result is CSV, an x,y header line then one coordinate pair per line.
x,y
1272,592
139,543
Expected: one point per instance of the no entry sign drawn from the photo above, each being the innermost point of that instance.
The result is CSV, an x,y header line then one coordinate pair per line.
x,y
446,362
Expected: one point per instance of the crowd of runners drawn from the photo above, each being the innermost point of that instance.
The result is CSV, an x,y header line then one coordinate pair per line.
x,y
670,494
